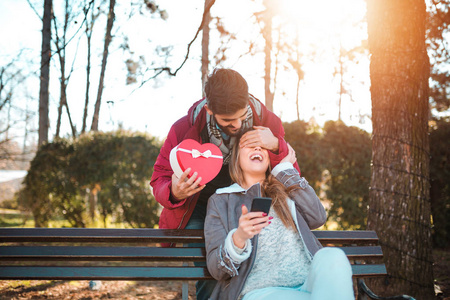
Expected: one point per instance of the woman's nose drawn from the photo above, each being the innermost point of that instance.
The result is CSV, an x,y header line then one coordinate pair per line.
x,y
258,148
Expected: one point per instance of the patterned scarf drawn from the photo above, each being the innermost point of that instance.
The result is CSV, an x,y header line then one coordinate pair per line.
x,y
216,138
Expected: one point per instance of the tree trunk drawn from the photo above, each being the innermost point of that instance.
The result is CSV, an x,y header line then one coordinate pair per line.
x,y
205,46
61,100
89,29
297,98
88,81
45,72
267,34
296,65
341,79
66,104
61,50
108,37
399,207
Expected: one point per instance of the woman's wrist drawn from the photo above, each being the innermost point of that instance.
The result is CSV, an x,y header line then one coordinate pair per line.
x,y
236,254
238,241
282,166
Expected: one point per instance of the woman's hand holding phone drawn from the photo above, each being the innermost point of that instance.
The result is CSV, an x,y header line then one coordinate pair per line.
x,y
250,224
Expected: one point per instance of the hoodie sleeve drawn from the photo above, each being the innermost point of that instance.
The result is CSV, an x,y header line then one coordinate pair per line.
x,y
161,180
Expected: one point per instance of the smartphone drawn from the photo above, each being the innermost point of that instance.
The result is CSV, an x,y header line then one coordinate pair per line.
x,y
261,204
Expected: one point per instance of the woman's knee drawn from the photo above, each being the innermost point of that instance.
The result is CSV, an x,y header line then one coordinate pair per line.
x,y
331,252
332,258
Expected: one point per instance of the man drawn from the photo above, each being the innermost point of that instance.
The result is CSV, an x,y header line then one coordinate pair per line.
x,y
226,111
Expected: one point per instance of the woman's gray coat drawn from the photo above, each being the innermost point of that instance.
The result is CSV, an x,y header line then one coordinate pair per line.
x,y
223,212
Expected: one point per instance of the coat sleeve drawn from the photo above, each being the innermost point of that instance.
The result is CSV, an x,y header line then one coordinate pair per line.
x,y
161,180
306,201
221,263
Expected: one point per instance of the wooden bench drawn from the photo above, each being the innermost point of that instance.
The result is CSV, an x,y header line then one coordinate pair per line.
x,y
136,254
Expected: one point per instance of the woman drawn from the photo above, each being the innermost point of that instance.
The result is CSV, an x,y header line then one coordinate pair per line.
x,y
258,256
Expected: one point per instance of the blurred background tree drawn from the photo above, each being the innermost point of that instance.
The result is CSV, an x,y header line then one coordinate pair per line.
x,y
438,29
400,209
335,160
347,154
440,184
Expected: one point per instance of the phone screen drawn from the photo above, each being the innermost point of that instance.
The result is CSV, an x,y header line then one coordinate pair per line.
x,y
261,204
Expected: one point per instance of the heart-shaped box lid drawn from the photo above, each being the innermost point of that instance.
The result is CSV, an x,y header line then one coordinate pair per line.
x,y
205,159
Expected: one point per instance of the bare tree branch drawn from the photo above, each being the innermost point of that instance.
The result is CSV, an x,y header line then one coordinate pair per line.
x,y
205,14
34,9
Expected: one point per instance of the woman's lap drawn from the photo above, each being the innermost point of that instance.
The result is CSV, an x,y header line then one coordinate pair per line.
x,y
330,277
284,293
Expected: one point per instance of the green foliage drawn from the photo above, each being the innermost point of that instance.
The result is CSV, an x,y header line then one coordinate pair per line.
x,y
46,181
438,28
306,143
336,162
347,153
440,183
98,175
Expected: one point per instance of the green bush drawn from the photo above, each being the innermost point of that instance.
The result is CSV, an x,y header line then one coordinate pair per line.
x,y
346,154
336,162
306,143
93,180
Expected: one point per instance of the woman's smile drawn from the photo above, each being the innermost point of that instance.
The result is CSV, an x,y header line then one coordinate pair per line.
x,y
254,159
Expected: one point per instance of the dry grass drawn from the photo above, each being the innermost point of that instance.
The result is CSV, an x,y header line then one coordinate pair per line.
x,y
59,290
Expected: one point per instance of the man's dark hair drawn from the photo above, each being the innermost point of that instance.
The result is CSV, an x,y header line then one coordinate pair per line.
x,y
226,91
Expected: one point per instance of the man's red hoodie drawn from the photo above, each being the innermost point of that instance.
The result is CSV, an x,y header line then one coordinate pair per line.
x,y
176,214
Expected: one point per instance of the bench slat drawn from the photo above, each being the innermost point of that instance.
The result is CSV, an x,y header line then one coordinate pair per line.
x,y
369,270
346,236
143,235
100,235
363,252
137,273
81,253
137,253
103,273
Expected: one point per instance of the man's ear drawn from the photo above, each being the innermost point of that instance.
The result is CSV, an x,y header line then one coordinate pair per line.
x,y
208,110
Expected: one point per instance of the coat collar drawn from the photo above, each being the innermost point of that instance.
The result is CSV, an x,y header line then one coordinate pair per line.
x,y
236,188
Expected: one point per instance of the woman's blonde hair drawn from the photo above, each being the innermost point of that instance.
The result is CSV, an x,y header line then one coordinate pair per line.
x,y
271,187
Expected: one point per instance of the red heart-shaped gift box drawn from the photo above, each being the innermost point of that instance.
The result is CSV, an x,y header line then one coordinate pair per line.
x,y
205,159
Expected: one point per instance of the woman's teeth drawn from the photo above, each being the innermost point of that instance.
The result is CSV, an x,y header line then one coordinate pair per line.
x,y
256,156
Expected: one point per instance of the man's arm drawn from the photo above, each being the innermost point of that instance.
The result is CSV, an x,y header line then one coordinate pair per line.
x,y
260,136
161,180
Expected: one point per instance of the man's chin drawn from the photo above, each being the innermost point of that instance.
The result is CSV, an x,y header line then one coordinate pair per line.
x,y
232,132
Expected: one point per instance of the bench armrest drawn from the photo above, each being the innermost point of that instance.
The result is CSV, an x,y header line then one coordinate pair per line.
x,y
364,289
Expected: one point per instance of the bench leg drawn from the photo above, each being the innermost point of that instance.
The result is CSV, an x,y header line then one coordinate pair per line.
x,y
185,285
185,290
365,293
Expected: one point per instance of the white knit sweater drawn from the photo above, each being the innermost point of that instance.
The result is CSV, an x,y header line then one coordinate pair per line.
x,y
281,259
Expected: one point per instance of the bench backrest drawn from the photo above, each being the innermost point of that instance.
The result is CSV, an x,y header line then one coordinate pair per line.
x,y
136,254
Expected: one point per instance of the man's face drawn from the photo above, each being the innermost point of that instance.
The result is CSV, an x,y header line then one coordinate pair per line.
x,y
230,124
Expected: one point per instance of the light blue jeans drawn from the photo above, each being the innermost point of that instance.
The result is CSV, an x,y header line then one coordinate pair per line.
x,y
330,277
